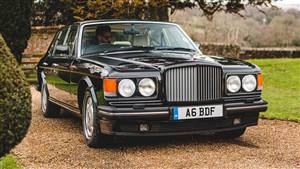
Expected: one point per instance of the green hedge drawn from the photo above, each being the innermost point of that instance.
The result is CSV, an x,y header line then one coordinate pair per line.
x,y
15,24
15,101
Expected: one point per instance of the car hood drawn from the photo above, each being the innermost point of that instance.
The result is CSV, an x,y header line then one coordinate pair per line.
x,y
162,60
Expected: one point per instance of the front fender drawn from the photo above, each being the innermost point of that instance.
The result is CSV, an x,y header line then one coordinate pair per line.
x,y
84,84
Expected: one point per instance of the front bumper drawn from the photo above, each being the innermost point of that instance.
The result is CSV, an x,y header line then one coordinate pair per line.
x,y
126,121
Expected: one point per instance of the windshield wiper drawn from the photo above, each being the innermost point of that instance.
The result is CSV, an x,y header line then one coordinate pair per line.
x,y
176,48
131,48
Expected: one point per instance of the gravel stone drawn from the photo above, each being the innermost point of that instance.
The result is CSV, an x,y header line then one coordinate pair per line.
x,y
59,143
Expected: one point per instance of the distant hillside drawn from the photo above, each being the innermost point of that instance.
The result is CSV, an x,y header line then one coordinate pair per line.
x,y
275,28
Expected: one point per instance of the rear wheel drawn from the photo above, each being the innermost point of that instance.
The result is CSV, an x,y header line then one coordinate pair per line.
x,y
90,122
231,134
48,108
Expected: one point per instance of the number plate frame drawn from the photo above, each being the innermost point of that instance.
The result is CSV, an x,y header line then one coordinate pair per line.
x,y
197,112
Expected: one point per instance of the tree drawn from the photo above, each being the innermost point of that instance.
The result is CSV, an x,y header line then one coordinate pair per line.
x,y
58,12
127,9
155,9
71,11
15,101
15,24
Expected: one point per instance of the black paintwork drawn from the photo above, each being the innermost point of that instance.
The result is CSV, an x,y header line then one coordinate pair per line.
x,y
68,76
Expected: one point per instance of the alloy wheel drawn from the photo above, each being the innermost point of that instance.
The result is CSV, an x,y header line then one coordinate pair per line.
x,y
89,117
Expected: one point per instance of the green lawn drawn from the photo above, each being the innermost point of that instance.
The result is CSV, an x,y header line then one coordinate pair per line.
x,y
281,88
8,162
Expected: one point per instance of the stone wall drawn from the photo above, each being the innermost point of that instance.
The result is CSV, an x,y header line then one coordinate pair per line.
x,y
40,39
260,53
219,49
38,43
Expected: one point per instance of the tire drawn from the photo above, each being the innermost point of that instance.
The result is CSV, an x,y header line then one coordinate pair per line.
x,y
90,122
231,134
48,108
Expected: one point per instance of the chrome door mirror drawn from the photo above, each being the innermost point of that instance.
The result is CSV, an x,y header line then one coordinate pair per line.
x,y
62,50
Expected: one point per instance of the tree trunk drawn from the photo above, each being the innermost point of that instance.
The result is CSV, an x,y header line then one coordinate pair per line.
x,y
159,14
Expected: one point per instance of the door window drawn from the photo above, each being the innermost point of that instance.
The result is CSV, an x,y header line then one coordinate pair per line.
x,y
60,41
71,38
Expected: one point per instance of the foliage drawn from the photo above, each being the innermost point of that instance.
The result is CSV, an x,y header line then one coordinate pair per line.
x,y
67,11
275,28
8,162
59,11
128,9
15,101
281,88
15,24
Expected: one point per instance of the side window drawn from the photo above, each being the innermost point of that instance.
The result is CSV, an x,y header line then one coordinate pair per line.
x,y
51,48
60,40
70,41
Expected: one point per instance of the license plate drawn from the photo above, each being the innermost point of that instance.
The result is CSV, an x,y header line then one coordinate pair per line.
x,y
196,112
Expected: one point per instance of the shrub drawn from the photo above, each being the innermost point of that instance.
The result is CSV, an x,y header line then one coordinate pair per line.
x,y
15,101
15,24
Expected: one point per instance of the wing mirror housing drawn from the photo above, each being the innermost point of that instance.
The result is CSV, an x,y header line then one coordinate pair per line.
x,y
62,49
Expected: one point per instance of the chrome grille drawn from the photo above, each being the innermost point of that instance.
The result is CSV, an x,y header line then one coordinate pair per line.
x,y
195,83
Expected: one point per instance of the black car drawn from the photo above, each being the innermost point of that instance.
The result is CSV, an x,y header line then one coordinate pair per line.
x,y
144,78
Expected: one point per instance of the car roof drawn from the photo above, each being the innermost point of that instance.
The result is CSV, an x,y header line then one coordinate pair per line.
x,y
87,22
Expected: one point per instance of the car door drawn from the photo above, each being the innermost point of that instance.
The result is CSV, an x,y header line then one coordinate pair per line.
x,y
57,71
71,42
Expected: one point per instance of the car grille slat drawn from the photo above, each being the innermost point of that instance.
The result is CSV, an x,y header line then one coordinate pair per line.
x,y
194,83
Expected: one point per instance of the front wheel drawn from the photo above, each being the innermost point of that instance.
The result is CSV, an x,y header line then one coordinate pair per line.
x,y
231,134
90,122
48,108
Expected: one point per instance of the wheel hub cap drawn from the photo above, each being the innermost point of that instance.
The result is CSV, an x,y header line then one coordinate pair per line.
x,y
89,117
44,100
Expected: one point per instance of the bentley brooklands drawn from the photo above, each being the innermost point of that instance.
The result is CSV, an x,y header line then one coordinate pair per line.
x,y
144,78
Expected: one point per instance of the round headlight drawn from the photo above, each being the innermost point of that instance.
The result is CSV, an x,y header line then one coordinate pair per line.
x,y
233,84
147,87
249,83
126,88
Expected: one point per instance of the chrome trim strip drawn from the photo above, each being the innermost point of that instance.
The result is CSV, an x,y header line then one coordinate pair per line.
x,y
245,108
133,114
65,106
149,22
71,71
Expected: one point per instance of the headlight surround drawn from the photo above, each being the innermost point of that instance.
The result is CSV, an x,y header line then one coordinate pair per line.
x,y
249,83
126,88
233,84
147,87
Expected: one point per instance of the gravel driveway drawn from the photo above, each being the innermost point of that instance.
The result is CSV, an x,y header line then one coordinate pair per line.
x,y
58,143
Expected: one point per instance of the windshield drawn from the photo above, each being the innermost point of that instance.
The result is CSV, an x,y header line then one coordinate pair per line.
x,y
122,36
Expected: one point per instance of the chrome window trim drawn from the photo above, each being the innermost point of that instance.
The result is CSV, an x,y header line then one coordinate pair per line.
x,y
136,22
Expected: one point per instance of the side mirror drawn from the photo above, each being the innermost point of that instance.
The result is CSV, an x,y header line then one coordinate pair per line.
x,y
62,49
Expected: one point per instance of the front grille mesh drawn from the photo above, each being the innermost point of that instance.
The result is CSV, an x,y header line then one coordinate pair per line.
x,y
194,83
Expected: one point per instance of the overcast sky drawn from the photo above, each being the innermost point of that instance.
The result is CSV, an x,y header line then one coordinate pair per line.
x,y
288,2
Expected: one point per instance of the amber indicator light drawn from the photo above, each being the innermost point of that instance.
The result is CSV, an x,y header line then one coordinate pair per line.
x,y
110,86
259,81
